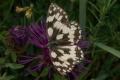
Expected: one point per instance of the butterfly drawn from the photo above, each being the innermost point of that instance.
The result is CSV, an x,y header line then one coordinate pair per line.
x,y
63,37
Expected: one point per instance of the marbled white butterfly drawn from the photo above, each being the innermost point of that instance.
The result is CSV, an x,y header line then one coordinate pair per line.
x,y
63,37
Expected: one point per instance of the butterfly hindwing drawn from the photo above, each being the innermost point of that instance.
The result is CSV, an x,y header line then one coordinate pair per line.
x,y
64,58
76,33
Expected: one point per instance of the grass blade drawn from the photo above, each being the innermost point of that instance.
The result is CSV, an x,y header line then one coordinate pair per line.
x,y
82,13
108,49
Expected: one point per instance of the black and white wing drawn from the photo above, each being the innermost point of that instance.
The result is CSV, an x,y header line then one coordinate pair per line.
x,y
59,28
65,34
64,58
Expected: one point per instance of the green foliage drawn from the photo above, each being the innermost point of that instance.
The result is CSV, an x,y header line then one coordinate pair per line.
x,y
99,18
58,77
5,77
44,72
2,60
82,13
109,49
14,66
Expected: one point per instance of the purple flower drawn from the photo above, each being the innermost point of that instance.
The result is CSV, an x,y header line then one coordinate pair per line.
x,y
38,35
83,44
19,35
17,38
25,59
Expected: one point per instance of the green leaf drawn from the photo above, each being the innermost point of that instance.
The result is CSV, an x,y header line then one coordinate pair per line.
x,y
44,72
9,77
2,60
13,57
35,74
2,36
82,12
101,77
108,49
59,77
14,66
8,12
7,52
6,77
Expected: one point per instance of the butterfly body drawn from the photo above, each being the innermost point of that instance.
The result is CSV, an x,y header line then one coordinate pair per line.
x,y
63,36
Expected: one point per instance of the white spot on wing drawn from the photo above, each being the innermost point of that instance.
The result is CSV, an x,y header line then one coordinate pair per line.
x,y
70,69
66,16
50,31
57,63
76,24
61,51
57,15
73,27
50,18
64,71
50,11
60,10
64,12
66,62
57,25
53,54
65,29
54,8
82,55
60,36
60,17
58,69
73,22
52,5
71,36
65,65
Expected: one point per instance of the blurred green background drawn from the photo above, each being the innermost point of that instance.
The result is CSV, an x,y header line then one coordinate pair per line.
x,y
99,18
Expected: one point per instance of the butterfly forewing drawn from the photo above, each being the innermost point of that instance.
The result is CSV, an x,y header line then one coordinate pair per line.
x,y
56,13
59,28
56,20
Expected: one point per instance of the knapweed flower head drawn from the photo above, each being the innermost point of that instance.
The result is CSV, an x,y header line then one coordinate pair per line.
x,y
17,38
19,34
38,35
